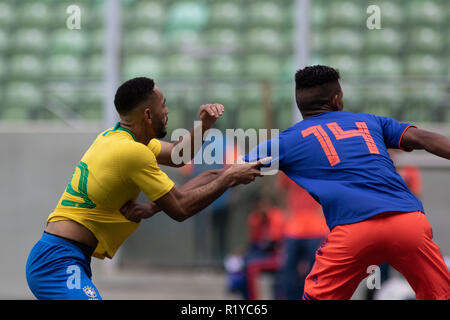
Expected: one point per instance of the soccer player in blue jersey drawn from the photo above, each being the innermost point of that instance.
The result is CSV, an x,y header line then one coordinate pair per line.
x,y
341,159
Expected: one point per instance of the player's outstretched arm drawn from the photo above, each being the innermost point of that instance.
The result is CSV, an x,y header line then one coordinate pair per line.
x,y
180,204
208,115
418,139
202,179
136,211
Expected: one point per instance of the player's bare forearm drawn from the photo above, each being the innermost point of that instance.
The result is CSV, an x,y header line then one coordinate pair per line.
x,y
202,179
417,139
188,200
196,199
170,151
180,205
208,114
439,145
200,192
189,139
135,212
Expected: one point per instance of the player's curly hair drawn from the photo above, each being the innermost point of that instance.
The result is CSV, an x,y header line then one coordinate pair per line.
x,y
315,76
132,92
315,87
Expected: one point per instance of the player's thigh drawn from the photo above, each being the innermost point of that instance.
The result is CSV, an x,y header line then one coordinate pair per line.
x,y
72,282
419,258
66,279
339,267
333,281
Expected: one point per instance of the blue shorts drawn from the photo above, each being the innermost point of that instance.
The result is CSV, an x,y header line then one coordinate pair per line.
x,y
58,270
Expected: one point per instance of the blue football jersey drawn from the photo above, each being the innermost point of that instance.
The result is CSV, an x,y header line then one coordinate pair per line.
x,y
341,159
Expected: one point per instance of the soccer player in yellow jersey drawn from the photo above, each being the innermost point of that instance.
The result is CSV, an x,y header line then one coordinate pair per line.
x,y
120,163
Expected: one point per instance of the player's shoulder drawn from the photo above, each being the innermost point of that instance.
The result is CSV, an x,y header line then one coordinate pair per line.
x,y
284,136
155,146
364,115
344,114
135,148
105,132
135,153
369,118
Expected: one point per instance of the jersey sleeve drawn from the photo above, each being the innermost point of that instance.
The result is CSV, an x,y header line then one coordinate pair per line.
x,y
155,146
141,167
270,148
393,132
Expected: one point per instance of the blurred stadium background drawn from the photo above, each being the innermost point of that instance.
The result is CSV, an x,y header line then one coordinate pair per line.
x,y
56,87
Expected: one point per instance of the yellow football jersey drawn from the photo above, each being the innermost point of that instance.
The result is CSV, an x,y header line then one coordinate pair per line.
x,y
115,169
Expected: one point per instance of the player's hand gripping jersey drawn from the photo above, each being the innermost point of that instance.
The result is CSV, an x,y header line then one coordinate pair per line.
x,y
114,169
341,159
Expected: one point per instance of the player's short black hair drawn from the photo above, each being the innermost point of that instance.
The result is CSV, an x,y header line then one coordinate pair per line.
x,y
132,92
316,85
315,76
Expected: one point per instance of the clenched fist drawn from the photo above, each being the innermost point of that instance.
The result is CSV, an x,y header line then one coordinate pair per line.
x,y
135,211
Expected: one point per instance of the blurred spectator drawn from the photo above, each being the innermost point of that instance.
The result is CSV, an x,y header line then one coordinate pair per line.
x,y
200,221
412,176
235,269
220,209
265,229
212,223
305,228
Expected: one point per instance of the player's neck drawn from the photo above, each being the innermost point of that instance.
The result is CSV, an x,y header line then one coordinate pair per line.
x,y
320,110
314,113
139,132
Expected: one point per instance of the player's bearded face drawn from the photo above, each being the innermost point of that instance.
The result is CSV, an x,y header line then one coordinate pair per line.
x,y
160,125
160,115
162,130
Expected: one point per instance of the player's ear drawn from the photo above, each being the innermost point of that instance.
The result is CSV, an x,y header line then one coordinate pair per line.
x,y
148,115
335,103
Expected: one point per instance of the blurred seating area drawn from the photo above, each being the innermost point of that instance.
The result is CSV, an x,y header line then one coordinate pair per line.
x,y
213,51
221,51
401,70
48,71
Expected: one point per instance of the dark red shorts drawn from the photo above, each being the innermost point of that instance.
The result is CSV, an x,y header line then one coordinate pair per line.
x,y
404,240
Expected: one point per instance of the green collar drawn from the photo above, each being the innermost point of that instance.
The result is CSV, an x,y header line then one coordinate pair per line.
x,y
118,127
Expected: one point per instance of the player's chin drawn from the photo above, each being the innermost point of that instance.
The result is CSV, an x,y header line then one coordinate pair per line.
x,y
162,134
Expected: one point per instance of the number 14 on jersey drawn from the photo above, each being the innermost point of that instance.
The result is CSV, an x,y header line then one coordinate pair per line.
x,y
328,147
